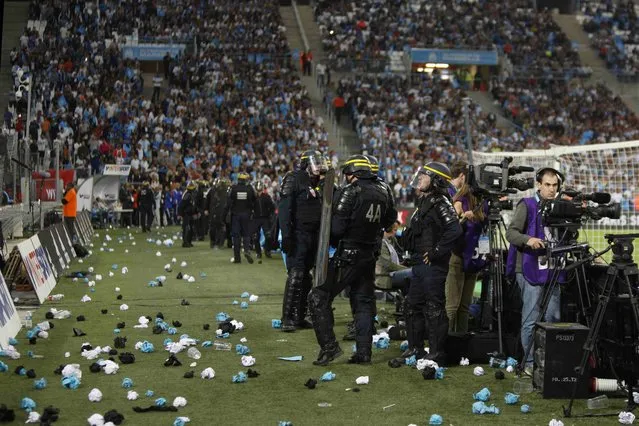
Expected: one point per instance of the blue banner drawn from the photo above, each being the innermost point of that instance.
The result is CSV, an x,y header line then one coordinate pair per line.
x,y
152,52
454,57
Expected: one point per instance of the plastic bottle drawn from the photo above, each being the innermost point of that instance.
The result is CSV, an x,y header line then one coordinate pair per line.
x,y
598,402
28,323
194,353
324,404
56,297
221,346
522,387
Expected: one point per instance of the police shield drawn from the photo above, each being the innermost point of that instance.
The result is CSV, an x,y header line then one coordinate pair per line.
x,y
321,260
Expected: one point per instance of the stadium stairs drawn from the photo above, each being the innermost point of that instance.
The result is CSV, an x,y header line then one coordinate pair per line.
x,y
16,15
590,58
296,42
487,103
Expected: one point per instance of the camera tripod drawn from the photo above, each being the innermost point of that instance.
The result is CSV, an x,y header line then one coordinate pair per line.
x,y
496,270
624,274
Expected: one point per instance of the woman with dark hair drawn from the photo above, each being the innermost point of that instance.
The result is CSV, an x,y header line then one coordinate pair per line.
x,y
467,259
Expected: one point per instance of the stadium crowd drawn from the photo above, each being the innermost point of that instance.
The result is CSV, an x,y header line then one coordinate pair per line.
x,y
612,27
234,106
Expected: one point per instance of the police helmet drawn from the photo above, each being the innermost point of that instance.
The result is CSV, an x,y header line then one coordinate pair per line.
x,y
146,183
314,162
358,166
374,163
191,186
439,174
243,177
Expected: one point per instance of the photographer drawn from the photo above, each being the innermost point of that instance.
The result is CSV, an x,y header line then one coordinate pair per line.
x,y
466,260
526,259
433,233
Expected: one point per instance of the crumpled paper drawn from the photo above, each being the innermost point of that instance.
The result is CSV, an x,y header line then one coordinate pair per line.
x,y
328,376
478,371
626,418
85,299
146,346
362,380
40,383
132,395
411,361
511,398
525,409
510,369
110,367
464,362
276,323
72,370
248,361
555,422
124,307
27,404
245,295
482,395
240,377
207,373
435,420
33,417
480,407
423,363
179,401
3,367
160,402
149,393
127,383
221,316
181,421
253,298
95,395
244,305
70,382
242,349
96,420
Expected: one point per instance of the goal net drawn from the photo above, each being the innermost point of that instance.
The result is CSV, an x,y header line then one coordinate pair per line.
x,y
612,168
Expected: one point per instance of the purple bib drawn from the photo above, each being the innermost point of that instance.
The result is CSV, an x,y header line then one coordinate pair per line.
x,y
530,260
472,261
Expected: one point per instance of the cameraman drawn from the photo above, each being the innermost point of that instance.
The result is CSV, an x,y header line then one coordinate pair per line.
x,y
467,259
526,258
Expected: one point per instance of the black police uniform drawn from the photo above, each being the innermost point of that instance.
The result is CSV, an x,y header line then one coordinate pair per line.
x,y
200,202
299,215
362,210
241,201
147,206
262,216
434,229
188,210
216,203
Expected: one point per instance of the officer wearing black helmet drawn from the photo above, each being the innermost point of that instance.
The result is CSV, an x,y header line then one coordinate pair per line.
x,y
241,201
360,213
216,202
262,218
299,215
188,210
433,231
147,206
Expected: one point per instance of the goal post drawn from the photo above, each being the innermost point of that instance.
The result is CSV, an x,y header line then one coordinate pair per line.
x,y
611,167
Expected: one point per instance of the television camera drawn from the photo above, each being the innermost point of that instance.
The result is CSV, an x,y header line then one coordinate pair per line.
x,y
494,181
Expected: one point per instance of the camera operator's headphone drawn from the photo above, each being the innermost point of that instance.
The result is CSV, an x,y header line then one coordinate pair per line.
x,y
541,172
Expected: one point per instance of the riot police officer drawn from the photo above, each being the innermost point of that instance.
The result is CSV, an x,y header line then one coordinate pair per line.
x,y
360,213
433,231
147,206
241,201
203,188
264,210
188,210
216,202
299,215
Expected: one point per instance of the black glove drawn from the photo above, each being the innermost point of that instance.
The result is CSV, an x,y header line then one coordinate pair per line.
x,y
287,245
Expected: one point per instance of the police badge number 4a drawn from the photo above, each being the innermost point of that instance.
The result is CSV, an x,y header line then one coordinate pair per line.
x,y
321,260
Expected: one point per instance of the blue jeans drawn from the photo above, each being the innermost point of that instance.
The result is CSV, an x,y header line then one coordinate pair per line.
x,y
399,278
532,295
